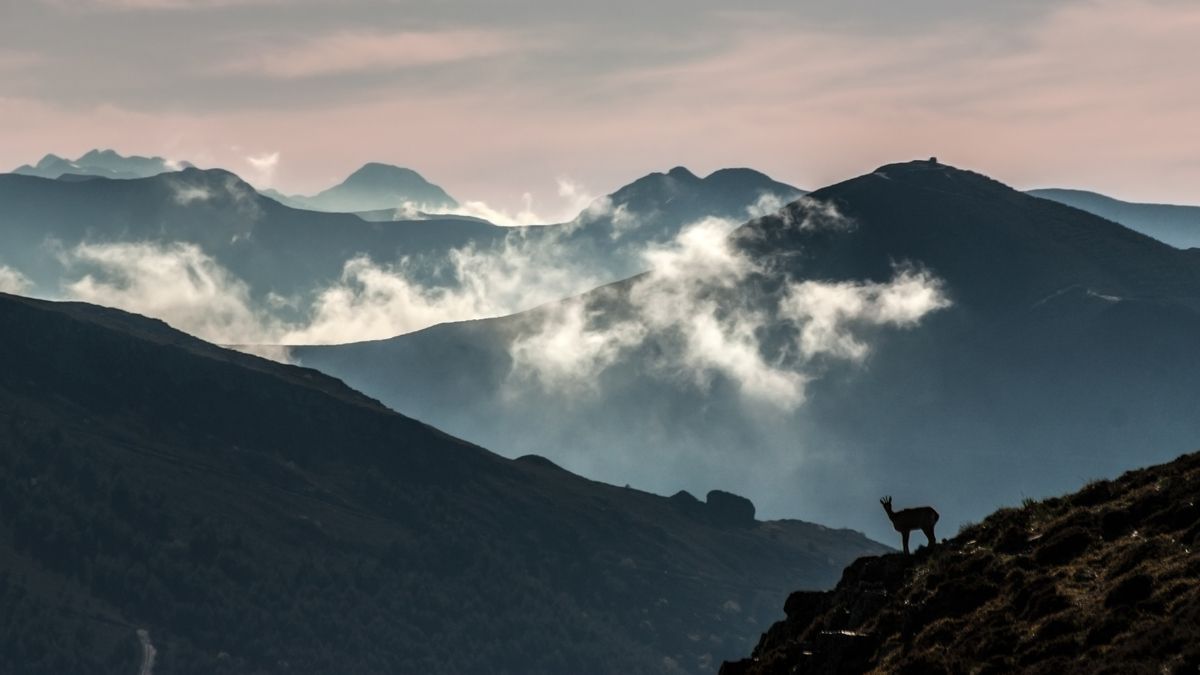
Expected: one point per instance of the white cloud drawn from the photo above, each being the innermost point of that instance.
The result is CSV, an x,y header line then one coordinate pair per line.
x,y
564,353
186,287
374,301
575,204
263,168
12,281
700,304
826,312
177,283
186,194
700,301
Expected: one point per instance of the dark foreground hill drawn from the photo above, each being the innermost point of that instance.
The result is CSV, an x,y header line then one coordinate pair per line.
x,y
1106,580
254,518
1177,225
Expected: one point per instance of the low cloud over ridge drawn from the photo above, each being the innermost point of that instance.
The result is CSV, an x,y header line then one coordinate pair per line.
x,y
695,300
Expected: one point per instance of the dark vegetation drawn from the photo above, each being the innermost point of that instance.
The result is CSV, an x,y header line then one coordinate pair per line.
x,y
262,518
1106,580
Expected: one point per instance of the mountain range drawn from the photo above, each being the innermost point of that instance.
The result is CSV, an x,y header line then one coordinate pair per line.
x,y
238,515
232,247
102,163
1056,339
272,248
1176,225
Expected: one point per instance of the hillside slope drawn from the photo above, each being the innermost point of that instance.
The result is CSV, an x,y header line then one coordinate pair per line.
x,y
254,517
1101,581
1177,225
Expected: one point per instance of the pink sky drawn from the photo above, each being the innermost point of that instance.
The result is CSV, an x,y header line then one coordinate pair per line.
x,y
1094,94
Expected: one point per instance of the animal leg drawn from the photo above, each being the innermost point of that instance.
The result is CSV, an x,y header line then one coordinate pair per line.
x,y
904,540
929,534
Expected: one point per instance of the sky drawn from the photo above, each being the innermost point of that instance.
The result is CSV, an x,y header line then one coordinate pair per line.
x,y
498,100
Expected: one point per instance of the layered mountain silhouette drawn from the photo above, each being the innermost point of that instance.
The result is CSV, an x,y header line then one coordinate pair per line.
x,y
372,187
1099,581
246,516
291,253
1176,225
271,247
103,163
1067,352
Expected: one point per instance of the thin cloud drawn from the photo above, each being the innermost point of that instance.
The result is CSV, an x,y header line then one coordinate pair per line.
x,y
153,5
353,51
262,167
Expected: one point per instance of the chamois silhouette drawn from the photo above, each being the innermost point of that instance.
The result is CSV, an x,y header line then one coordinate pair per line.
x,y
921,518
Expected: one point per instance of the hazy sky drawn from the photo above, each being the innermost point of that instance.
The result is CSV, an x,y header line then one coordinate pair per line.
x,y
495,99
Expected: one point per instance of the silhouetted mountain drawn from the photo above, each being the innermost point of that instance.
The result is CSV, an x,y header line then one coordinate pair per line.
x,y
1100,581
1178,226
254,517
374,187
103,163
1065,331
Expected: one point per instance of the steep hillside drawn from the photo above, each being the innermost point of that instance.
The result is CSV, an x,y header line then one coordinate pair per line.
x,y
1106,580
1176,225
254,517
1062,331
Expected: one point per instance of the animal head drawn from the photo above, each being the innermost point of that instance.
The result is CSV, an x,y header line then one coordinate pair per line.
x,y
886,501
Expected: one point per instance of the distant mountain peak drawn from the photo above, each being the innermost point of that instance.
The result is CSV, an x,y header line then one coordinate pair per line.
x,y
100,154
682,173
382,175
737,172
106,163
375,186
51,160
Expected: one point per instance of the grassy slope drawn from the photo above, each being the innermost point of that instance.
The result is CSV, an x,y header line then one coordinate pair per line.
x,y
1101,581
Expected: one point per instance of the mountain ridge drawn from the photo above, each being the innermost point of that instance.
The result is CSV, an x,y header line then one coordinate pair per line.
x,y
103,163
1175,224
